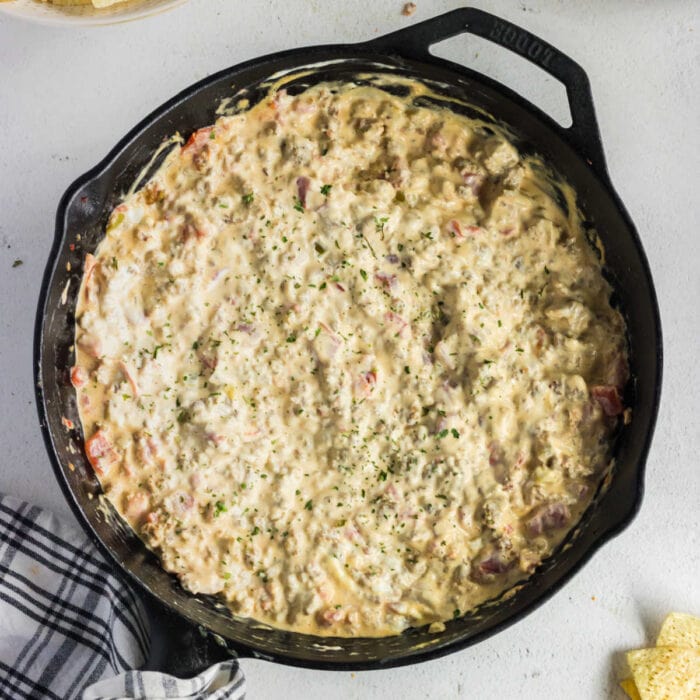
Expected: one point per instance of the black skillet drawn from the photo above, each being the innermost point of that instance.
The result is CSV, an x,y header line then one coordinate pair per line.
x,y
575,153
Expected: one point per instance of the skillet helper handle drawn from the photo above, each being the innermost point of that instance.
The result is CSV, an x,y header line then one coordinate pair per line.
x,y
583,134
180,648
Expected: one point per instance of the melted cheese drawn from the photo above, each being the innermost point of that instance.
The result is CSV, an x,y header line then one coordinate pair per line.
x,y
345,362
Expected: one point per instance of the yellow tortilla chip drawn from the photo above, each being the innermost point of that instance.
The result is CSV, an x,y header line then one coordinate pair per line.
x,y
630,688
680,630
666,673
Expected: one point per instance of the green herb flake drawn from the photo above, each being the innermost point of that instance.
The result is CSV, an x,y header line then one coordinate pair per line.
x,y
309,505
17,263
219,508
442,434
546,270
322,285
319,248
407,369
455,433
115,264
456,613
363,274
379,223
326,190
255,531
298,205
195,345
248,198
519,350
291,338
382,475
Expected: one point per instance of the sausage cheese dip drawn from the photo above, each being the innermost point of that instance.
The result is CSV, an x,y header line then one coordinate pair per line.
x,y
348,362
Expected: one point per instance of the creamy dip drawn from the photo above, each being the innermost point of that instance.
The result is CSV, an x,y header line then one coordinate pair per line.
x,y
346,362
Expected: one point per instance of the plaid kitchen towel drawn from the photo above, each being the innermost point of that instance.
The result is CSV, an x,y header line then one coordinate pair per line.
x,y
68,625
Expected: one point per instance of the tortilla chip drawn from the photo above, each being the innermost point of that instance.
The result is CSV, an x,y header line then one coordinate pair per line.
x,y
630,688
666,673
680,630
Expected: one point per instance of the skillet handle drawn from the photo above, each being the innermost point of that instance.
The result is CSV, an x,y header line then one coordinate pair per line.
x,y
181,648
583,134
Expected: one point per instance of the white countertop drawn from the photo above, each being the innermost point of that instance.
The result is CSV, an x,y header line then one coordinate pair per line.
x,y
67,95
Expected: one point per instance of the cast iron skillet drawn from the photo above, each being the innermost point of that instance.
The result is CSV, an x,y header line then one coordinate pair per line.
x,y
576,153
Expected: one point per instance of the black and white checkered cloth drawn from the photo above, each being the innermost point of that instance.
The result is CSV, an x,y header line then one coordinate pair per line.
x,y
70,629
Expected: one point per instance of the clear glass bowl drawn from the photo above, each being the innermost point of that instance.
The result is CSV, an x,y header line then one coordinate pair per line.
x,y
84,15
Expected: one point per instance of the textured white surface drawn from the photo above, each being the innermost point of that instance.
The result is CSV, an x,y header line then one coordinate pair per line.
x,y
67,95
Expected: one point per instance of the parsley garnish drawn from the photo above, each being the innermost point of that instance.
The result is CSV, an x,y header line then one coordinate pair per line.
x,y
363,274
325,190
291,338
298,204
219,508
382,476
248,198
309,504
442,434
17,263
379,223
455,433
115,263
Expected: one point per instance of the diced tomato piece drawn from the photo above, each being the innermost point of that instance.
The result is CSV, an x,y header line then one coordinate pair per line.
x,y
78,376
386,280
454,229
552,516
608,398
100,453
197,140
302,189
